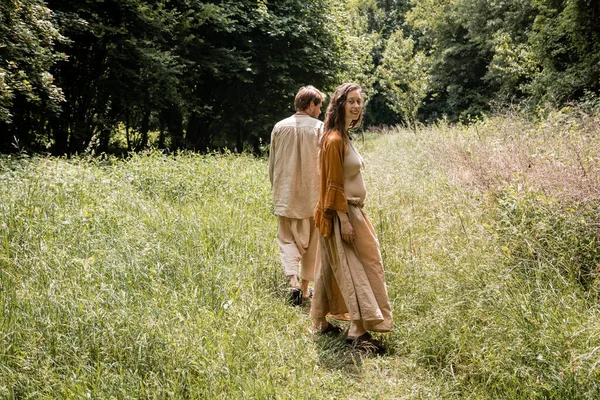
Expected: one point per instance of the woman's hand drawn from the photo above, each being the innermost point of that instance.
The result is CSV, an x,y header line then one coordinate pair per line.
x,y
347,232
347,229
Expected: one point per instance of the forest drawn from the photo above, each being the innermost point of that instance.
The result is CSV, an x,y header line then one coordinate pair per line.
x,y
112,76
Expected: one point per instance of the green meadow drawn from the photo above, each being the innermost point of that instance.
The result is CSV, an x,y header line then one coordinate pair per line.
x,y
158,276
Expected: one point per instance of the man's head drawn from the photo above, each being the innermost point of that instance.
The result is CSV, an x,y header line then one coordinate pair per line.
x,y
309,100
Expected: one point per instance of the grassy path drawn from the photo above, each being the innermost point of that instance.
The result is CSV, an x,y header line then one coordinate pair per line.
x,y
158,277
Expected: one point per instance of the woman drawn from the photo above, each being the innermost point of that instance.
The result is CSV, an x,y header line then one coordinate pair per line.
x,y
350,282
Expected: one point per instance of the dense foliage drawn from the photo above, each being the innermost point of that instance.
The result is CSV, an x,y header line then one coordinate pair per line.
x,y
105,76
27,39
201,74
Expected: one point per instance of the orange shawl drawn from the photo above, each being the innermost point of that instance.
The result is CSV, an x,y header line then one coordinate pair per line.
x,y
332,197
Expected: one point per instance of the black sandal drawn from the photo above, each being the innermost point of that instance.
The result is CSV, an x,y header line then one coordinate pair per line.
x,y
367,343
295,297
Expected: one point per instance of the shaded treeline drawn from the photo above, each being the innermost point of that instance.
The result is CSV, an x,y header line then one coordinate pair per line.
x,y
203,75
113,75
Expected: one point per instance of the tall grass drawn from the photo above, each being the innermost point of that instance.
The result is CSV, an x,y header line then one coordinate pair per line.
x,y
512,258
158,276
150,277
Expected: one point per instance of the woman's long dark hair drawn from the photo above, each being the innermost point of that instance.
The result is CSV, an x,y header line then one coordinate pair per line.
x,y
335,117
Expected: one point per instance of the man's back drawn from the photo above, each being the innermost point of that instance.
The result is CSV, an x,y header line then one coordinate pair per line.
x,y
293,165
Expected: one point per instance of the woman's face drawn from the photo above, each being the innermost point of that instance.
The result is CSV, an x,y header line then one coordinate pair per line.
x,y
353,107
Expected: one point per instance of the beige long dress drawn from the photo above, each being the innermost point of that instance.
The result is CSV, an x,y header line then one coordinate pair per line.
x,y
350,283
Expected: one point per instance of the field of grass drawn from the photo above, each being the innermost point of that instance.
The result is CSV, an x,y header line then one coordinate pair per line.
x,y
158,276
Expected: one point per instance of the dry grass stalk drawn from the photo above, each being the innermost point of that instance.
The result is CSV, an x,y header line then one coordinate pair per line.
x,y
559,156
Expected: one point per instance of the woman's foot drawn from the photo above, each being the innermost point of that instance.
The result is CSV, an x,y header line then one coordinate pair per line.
x,y
356,329
322,327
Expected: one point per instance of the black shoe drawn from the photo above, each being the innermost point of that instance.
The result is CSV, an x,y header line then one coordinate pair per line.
x,y
295,298
367,343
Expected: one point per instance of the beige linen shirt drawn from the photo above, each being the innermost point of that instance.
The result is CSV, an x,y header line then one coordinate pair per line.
x,y
293,166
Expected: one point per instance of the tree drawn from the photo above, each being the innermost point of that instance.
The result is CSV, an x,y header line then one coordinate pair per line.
x,y
244,63
566,42
27,54
120,70
501,30
363,27
478,51
356,40
404,75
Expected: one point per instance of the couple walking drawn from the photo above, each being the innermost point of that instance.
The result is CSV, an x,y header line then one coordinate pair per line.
x,y
318,192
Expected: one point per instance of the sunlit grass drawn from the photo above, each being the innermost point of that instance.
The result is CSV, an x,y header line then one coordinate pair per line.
x,y
158,277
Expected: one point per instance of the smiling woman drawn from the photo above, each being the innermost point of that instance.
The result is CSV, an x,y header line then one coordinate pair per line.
x,y
353,107
350,284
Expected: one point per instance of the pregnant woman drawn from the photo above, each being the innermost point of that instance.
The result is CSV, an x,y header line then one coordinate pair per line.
x,y
350,284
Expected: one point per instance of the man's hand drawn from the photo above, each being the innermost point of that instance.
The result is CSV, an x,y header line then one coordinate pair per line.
x,y
294,281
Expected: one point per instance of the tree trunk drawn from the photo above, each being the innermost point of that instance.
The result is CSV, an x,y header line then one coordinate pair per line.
x,y
144,131
60,135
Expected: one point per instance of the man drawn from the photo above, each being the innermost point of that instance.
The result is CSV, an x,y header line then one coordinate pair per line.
x,y
294,175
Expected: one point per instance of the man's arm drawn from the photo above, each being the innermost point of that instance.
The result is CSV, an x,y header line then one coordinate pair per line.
x,y
272,149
